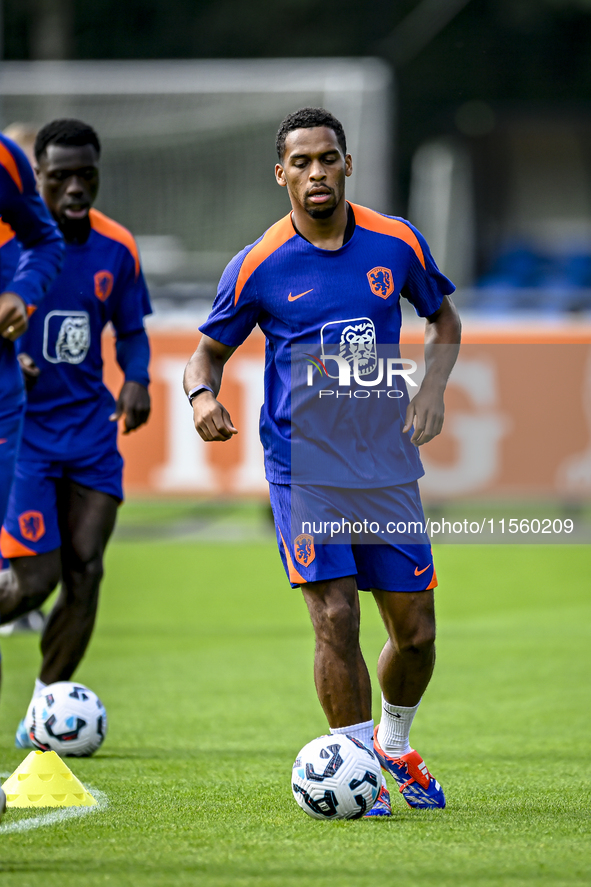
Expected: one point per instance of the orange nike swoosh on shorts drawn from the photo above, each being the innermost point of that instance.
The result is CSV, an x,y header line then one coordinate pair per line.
x,y
291,298
418,572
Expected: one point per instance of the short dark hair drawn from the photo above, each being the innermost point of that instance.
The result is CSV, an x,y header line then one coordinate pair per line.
x,y
309,118
65,131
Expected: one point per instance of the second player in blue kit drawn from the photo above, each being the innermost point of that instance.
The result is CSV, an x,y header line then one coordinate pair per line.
x,y
67,484
25,274
324,285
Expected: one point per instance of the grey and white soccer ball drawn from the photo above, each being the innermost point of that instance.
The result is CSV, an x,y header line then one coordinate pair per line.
x,y
67,718
336,777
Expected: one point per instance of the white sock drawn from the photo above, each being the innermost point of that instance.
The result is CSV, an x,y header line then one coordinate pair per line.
x,y
395,727
39,688
363,732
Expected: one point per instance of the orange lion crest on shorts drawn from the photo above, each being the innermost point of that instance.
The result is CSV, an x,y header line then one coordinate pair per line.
x,y
303,546
31,525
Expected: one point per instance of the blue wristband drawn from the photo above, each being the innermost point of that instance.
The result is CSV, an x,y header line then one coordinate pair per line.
x,y
197,390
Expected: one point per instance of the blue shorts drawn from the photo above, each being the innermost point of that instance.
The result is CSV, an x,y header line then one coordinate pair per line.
x,y
378,563
11,424
31,524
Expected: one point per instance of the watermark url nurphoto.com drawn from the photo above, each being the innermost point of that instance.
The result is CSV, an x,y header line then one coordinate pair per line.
x,y
490,526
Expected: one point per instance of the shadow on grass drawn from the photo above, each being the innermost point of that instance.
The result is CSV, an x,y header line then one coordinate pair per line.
x,y
175,754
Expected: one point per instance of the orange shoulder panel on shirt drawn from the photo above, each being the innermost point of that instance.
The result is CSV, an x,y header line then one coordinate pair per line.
x,y
6,233
373,221
294,576
276,236
9,164
108,228
11,547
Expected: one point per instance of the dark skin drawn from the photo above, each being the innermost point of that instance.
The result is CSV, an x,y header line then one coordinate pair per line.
x,y
68,180
13,316
86,519
314,169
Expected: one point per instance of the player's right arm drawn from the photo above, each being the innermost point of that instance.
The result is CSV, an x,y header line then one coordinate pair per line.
x,y
205,368
42,245
233,316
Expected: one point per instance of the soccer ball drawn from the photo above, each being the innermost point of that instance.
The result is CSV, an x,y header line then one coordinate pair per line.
x,y
336,777
67,718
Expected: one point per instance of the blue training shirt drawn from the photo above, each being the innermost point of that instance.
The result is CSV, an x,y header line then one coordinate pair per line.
x,y
28,269
68,408
10,253
312,303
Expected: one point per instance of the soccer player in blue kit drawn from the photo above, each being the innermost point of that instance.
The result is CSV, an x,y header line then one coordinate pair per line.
x,y
25,274
334,272
67,486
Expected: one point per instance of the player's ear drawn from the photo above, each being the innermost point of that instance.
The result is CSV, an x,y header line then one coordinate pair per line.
x,y
280,175
348,164
38,163
97,183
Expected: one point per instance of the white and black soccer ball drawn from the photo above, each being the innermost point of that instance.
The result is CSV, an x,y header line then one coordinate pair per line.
x,y
336,777
67,718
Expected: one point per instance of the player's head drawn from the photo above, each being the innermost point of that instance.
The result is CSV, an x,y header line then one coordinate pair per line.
x,y
67,154
309,118
313,160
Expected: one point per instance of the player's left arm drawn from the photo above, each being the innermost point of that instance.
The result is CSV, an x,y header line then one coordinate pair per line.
x,y
132,346
442,342
133,403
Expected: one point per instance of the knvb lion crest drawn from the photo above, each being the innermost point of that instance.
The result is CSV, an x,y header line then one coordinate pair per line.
x,y
73,340
381,282
354,340
31,525
103,285
358,344
304,549
66,336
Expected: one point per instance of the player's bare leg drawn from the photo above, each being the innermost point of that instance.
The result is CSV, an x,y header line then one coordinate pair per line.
x,y
87,519
340,673
36,577
405,667
406,663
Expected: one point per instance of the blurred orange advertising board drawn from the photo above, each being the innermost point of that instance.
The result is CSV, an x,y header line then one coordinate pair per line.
x,y
518,418
167,457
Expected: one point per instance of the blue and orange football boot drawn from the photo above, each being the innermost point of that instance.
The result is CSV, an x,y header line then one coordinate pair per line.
x,y
22,739
382,806
418,788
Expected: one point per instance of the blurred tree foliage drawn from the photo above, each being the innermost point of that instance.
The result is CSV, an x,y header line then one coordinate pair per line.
x,y
208,28
500,51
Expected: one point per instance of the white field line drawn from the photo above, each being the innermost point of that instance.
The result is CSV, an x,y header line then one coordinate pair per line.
x,y
55,817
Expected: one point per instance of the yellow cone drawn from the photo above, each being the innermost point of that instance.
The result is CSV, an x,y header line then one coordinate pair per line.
x,y
43,780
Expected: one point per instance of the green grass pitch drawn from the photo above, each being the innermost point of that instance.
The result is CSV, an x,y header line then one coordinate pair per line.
x,y
203,657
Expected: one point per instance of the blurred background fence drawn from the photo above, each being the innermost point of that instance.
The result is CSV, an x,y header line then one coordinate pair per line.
x,y
189,148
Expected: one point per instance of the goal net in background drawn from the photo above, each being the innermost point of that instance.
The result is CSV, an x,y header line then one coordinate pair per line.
x,y
188,146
